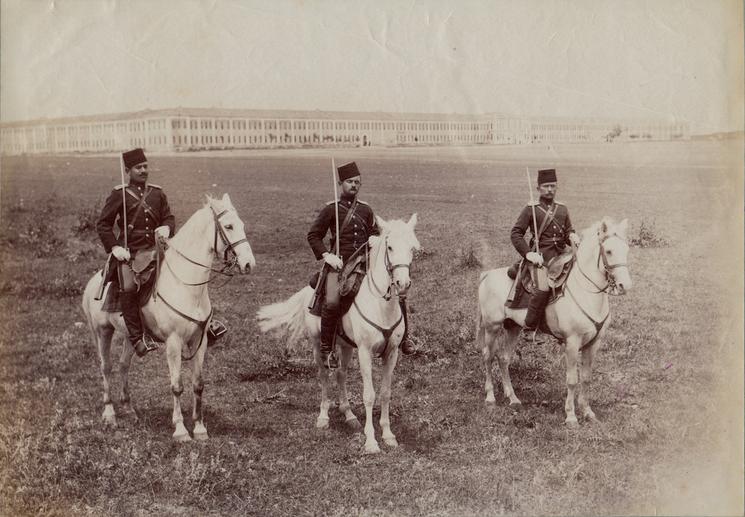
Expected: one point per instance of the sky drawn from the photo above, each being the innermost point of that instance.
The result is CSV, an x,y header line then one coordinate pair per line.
x,y
663,59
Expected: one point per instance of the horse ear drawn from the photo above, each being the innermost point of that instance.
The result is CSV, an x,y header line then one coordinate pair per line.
x,y
412,221
603,229
226,199
623,227
381,222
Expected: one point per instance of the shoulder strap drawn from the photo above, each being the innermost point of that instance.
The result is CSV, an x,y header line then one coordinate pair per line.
x,y
546,220
349,215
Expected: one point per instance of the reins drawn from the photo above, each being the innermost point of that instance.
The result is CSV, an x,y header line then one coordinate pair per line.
x,y
386,296
227,264
610,282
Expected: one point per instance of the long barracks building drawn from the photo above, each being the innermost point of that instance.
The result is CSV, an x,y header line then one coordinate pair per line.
x,y
192,129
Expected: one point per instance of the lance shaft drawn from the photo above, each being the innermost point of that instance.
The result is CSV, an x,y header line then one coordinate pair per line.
x,y
336,202
124,199
532,205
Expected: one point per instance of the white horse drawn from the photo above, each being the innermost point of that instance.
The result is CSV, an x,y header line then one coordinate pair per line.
x,y
374,323
180,311
578,318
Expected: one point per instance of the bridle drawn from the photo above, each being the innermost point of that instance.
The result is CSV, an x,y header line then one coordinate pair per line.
x,y
607,267
390,268
229,258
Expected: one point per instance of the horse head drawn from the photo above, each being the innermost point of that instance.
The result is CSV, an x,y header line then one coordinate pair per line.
x,y
230,236
613,250
400,242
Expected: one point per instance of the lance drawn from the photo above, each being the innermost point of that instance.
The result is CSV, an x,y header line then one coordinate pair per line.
x,y
532,205
336,202
124,198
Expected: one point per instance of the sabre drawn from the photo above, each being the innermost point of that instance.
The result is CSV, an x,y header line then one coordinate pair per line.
x,y
532,205
124,198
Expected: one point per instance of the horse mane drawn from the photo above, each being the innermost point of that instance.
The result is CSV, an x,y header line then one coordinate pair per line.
x,y
593,229
190,231
398,226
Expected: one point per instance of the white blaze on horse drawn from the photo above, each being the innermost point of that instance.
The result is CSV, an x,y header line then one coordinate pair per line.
x,y
374,323
180,311
578,318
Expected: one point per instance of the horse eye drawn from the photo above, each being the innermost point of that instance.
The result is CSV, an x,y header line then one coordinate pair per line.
x,y
390,248
228,226
609,252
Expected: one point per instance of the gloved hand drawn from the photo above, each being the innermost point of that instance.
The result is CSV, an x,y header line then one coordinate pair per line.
x,y
574,239
162,232
534,257
333,261
120,253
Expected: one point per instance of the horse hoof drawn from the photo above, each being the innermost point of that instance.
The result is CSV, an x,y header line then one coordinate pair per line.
x,y
372,448
516,406
353,424
572,424
182,436
109,420
200,436
490,400
591,418
391,442
322,423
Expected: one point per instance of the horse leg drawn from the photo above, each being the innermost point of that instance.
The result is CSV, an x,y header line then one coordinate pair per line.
x,y
173,352
385,398
200,431
585,380
102,337
507,340
368,396
322,422
572,354
341,382
486,340
125,361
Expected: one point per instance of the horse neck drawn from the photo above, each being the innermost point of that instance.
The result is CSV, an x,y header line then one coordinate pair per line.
x,y
195,241
378,278
588,276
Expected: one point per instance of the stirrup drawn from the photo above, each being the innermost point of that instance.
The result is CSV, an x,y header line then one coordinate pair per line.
x,y
329,360
144,345
531,337
407,347
215,331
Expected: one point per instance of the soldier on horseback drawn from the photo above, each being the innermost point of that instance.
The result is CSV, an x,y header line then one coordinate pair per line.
x,y
550,220
141,213
355,225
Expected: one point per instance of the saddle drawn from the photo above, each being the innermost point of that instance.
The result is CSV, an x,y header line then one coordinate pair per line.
x,y
145,267
523,287
350,280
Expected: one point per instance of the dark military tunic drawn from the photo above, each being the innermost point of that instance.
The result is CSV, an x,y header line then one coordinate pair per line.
x,y
147,208
555,236
360,227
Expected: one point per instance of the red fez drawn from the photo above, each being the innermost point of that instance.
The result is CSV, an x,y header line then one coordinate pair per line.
x,y
546,176
348,170
133,157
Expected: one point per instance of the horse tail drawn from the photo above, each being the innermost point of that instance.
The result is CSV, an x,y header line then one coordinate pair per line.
x,y
286,318
479,327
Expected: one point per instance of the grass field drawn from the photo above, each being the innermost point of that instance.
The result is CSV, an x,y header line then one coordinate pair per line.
x,y
668,387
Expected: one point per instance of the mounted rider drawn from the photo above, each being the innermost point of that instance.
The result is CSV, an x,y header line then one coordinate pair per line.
x,y
143,208
550,219
356,224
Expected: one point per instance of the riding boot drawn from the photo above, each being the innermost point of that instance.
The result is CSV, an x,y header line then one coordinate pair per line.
x,y
407,347
328,335
131,313
536,307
